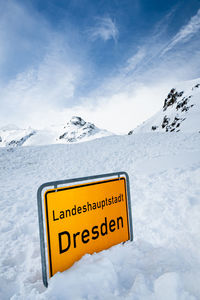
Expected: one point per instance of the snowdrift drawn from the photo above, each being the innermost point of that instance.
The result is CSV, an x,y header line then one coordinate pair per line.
x,y
163,261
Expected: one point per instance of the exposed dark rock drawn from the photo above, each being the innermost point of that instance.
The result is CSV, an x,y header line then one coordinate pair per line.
x,y
196,86
77,129
165,121
77,121
16,143
63,135
173,125
171,98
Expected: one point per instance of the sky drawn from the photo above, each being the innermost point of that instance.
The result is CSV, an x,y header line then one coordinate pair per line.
x,y
111,62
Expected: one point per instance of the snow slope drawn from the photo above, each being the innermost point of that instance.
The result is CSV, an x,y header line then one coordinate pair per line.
x,y
163,262
180,112
75,130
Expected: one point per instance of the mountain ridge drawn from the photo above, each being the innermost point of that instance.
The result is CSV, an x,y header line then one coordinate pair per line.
x,y
180,111
76,130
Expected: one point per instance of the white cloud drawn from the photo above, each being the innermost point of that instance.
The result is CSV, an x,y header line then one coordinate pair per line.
x,y
186,32
42,88
122,111
162,25
105,29
39,71
134,60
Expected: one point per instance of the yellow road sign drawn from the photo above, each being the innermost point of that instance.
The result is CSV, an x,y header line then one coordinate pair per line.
x,y
85,218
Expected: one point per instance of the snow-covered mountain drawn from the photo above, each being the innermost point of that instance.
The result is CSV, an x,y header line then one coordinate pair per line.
x,y
13,136
75,130
180,112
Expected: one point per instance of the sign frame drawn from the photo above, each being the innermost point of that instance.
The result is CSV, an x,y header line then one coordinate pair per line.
x,y
59,184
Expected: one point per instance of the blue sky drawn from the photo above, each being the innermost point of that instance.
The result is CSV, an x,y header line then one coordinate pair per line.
x,y
94,58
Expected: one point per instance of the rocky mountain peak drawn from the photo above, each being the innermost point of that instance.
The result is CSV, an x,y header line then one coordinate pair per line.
x,y
77,129
172,98
180,111
77,121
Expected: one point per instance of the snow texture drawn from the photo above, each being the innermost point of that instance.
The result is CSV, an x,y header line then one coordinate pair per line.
x,y
163,261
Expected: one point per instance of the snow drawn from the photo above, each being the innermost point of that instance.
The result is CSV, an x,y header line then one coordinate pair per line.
x,y
76,130
184,119
10,136
163,261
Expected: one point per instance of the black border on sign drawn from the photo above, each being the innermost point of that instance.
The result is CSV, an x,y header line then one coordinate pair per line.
x,y
59,185
74,187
